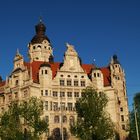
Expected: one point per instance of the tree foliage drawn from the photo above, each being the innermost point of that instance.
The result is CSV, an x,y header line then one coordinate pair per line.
x,y
22,121
133,135
93,123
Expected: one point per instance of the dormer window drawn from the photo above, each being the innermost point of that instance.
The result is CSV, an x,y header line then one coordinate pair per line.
x,y
82,76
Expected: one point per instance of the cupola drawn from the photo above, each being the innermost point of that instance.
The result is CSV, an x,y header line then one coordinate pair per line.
x,y
40,48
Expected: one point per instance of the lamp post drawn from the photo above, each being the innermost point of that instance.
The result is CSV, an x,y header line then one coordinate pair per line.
x,y
136,122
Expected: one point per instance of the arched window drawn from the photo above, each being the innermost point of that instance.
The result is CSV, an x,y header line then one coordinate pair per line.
x,y
39,46
56,119
71,120
64,119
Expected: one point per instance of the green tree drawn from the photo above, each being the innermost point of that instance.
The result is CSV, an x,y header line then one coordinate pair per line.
x,y
22,121
93,123
133,135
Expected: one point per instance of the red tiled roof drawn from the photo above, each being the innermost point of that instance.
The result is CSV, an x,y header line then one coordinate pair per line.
x,y
106,74
56,65
87,68
2,83
35,68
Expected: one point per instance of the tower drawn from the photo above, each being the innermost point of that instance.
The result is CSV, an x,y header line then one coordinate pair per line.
x,y
40,48
119,85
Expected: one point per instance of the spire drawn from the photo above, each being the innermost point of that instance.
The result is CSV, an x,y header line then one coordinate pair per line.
x,y
18,56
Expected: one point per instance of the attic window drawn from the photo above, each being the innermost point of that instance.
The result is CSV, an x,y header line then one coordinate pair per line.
x,y
61,75
75,76
68,75
82,76
45,47
36,58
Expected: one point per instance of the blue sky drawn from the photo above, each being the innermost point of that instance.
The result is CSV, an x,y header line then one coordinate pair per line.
x,y
97,28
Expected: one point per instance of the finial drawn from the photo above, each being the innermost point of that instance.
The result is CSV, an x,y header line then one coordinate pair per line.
x,y
17,51
40,19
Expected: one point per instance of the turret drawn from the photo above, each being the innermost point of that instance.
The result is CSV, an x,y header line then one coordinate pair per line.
x,y
97,79
117,73
45,75
40,47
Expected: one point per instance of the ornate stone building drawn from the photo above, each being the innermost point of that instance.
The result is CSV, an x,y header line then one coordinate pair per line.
x,y
60,84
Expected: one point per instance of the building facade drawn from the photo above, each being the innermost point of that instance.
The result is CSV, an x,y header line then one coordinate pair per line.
x,y
60,84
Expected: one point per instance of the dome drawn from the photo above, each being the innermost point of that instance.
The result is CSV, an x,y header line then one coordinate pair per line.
x,y
115,59
40,29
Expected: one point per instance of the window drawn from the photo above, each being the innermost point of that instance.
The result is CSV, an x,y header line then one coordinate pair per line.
x,y
62,94
46,92
46,72
56,119
121,109
64,119
76,94
42,92
39,46
69,94
34,47
82,76
3,99
71,120
82,94
68,75
70,106
16,83
47,118
82,83
75,83
68,82
98,74
55,106
61,82
61,75
42,72
123,127
75,76
62,106
55,94
122,118
25,94
46,105
10,97
16,95
94,74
